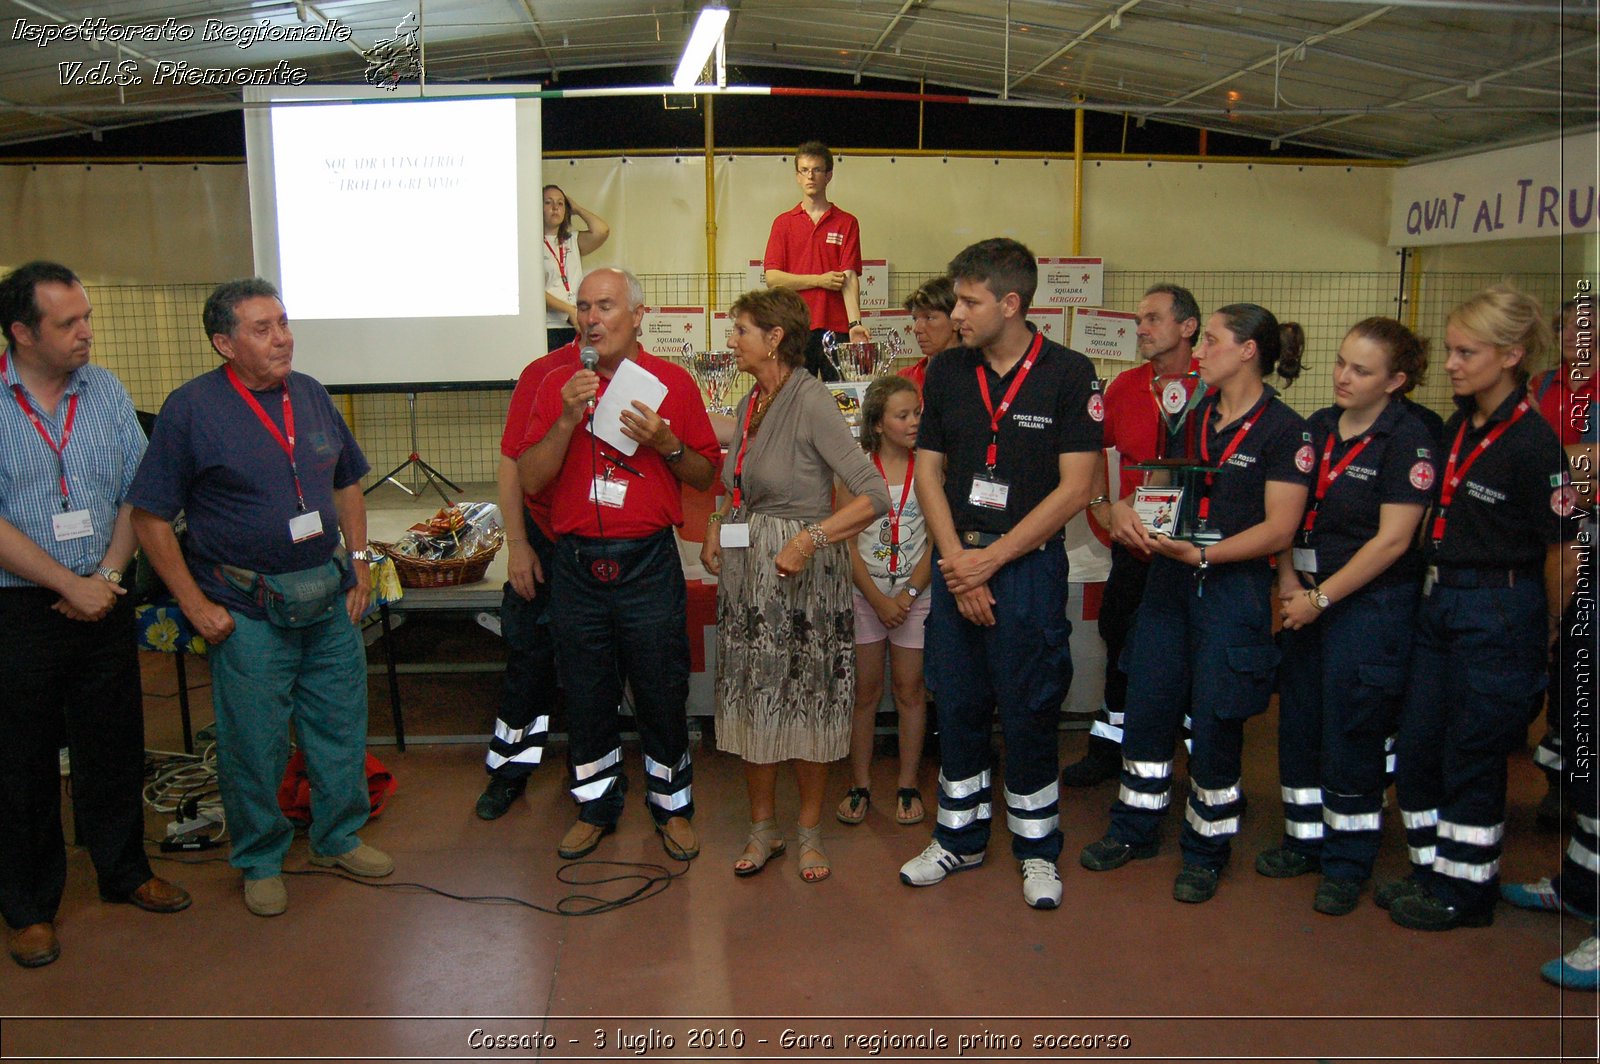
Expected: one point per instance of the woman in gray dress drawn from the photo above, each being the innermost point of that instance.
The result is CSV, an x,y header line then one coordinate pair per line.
x,y
785,620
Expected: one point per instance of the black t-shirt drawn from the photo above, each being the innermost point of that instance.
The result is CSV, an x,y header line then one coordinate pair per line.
x,y
1397,465
1277,447
1515,501
1058,410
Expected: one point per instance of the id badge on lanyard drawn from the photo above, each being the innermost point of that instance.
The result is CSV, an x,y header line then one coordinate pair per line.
x,y
989,491
608,492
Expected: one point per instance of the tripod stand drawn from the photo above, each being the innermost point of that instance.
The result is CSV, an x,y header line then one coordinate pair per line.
x,y
430,478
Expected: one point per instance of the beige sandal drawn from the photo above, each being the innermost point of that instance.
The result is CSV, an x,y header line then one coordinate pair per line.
x,y
814,865
765,843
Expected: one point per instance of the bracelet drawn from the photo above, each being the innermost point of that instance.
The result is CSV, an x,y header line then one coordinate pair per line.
x,y
819,538
1096,501
799,543
716,515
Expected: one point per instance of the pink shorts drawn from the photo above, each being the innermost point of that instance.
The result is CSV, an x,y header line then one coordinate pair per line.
x,y
871,630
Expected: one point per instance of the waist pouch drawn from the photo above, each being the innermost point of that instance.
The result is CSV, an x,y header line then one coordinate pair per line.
x,y
292,600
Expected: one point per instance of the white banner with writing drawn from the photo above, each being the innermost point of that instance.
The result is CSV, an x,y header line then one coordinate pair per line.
x,y
667,329
1070,283
1105,333
1545,189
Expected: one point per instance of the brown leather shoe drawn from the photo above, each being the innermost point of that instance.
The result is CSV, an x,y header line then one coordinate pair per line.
x,y
678,839
156,895
34,946
582,839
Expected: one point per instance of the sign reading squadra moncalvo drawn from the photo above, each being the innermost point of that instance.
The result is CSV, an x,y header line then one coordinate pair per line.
x,y
1544,189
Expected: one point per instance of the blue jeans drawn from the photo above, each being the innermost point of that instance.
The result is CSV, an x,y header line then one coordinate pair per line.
x,y
1339,693
1023,667
1477,662
263,679
617,612
1205,650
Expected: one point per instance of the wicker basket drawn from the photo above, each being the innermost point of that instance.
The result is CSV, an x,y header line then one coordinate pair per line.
x,y
449,572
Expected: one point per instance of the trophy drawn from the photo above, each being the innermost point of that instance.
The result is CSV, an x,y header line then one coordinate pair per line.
x,y
859,360
1173,508
714,371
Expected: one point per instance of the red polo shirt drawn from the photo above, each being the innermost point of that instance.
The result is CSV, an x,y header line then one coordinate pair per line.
x,y
654,500
1566,408
1132,424
797,246
518,416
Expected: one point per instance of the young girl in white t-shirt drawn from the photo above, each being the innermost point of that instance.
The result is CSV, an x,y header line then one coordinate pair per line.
x,y
891,568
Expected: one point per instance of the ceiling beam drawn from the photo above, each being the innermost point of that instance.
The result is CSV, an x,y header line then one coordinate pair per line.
x,y
1558,57
1315,38
1103,21
884,36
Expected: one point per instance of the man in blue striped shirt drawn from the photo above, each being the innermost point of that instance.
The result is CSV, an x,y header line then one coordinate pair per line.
x,y
69,445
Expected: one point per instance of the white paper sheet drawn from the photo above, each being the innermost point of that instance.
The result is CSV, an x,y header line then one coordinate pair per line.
x,y
628,383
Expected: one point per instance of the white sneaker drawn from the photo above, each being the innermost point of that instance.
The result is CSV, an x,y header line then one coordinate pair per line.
x,y
1578,970
1041,885
933,864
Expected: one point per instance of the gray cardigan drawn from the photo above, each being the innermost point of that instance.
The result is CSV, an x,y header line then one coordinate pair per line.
x,y
803,443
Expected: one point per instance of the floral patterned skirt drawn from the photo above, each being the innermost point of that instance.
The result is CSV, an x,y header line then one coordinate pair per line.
x,y
786,675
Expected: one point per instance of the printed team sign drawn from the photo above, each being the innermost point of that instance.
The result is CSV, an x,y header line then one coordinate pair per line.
x,y
874,284
1050,321
1070,283
885,323
1105,333
667,329
874,281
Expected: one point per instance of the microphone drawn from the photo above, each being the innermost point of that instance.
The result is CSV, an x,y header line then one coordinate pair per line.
x,y
590,358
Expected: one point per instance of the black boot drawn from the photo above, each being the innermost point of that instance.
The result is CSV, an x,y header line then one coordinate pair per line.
x,y
1101,762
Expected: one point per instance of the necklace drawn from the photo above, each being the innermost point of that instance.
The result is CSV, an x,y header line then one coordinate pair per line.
x,y
765,401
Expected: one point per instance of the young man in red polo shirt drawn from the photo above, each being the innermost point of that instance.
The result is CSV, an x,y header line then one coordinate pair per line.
x,y
617,597
815,249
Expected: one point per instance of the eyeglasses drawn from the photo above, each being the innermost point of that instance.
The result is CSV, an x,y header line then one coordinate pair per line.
x,y
812,171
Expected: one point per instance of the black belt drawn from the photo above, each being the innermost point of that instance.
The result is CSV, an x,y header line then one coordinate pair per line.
x,y
1467,577
984,539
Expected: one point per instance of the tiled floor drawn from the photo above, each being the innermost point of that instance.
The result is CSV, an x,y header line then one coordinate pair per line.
x,y
359,971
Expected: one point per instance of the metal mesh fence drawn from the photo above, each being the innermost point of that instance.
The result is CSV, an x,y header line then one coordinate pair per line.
x,y
150,336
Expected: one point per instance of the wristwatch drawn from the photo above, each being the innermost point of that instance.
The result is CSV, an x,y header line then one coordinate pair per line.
x,y
675,456
1204,564
365,554
113,575
1318,599
913,592
853,324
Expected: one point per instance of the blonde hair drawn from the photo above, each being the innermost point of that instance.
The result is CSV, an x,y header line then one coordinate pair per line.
x,y
1505,317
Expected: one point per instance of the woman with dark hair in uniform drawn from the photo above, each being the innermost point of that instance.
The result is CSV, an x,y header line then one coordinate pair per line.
x,y
1349,594
1491,597
1202,640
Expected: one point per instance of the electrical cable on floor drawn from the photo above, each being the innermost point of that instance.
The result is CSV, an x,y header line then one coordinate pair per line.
x,y
652,879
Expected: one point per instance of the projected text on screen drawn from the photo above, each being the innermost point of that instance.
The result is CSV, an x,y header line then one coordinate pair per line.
x,y
397,210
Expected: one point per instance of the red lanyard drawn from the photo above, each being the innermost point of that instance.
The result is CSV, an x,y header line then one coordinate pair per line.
x,y
1453,476
1204,510
1326,476
287,443
996,416
561,260
744,444
60,450
896,511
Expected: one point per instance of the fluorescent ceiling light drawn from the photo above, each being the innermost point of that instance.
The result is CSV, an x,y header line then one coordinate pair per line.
x,y
702,42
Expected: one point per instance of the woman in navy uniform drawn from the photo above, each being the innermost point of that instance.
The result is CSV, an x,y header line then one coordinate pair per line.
x,y
1202,641
1352,572
1491,596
